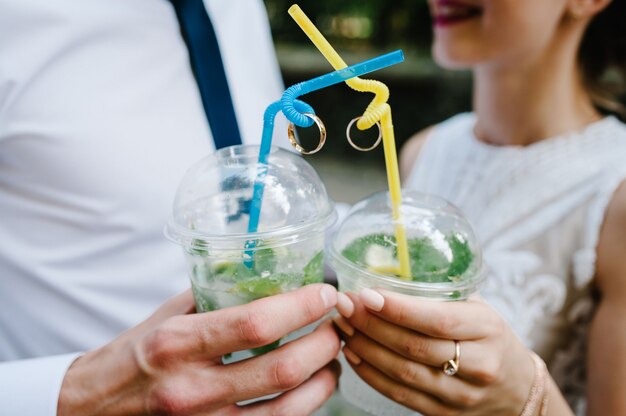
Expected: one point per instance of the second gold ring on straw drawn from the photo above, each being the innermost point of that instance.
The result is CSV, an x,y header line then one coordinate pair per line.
x,y
292,135
357,147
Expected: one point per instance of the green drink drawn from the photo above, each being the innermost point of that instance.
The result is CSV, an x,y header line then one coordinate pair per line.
x,y
445,262
227,265
222,279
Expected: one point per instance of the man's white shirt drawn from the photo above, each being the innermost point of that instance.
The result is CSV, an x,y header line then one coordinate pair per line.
x,y
99,118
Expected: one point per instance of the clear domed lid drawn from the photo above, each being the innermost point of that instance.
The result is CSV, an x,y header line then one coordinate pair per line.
x,y
213,202
443,248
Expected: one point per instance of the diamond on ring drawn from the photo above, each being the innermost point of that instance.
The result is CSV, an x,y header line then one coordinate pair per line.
x,y
451,367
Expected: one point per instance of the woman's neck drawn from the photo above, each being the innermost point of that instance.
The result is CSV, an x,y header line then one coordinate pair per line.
x,y
521,105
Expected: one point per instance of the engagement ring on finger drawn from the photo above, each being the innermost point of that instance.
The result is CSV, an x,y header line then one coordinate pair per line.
x,y
451,367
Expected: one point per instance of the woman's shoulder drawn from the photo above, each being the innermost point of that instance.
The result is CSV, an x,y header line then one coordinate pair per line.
x,y
462,122
604,143
610,129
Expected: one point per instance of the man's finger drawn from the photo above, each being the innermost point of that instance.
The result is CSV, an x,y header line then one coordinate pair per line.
x,y
303,400
181,304
282,369
203,389
213,334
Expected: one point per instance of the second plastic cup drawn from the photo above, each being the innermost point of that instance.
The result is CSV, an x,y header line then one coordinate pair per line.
x,y
229,266
445,257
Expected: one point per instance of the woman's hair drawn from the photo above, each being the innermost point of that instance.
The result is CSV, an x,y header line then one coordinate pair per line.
x,y
602,58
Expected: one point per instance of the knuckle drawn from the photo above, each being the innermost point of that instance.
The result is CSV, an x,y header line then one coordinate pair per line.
x,y
157,348
288,373
445,325
399,395
416,348
406,373
253,329
404,314
489,373
469,398
167,400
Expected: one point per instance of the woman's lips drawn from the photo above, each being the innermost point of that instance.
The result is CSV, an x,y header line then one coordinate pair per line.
x,y
448,12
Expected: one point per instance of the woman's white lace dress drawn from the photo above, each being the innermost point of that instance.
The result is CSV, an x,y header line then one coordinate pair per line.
x,y
538,211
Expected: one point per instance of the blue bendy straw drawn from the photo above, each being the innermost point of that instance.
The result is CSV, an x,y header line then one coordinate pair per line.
x,y
293,109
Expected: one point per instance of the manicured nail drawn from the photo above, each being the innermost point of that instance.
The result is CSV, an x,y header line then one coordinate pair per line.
x,y
329,296
343,325
372,299
345,305
352,357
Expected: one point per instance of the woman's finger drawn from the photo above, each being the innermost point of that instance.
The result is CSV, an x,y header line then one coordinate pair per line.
x,y
464,320
453,390
408,343
399,393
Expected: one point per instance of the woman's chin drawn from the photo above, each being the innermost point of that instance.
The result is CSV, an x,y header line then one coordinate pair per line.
x,y
453,59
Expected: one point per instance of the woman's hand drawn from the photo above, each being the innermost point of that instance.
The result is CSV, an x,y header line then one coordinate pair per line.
x,y
398,345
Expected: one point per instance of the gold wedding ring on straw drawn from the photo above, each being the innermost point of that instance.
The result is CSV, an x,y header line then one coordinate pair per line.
x,y
451,367
292,135
363,149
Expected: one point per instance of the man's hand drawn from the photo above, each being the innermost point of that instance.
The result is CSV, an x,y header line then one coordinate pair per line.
x,y
170,364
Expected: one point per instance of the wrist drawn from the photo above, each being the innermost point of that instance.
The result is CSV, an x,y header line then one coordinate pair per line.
x,y
98,382
537,401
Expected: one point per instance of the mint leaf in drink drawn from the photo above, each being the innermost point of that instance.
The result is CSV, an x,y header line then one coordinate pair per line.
x,y
204,302
462,257
231,271
259,287
314,270
256,288
265,260
427,263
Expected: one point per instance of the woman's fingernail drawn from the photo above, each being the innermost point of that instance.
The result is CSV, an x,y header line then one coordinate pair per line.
x,y
351,356
345,305
372,299
329,296
343,325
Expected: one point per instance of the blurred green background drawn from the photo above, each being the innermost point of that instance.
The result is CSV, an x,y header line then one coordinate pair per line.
x,y
421,92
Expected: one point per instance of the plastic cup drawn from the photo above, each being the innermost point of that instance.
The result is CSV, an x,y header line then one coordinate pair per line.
x,y
229,266
445,259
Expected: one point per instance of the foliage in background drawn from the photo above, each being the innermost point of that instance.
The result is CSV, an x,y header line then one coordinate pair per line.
x,y
358,23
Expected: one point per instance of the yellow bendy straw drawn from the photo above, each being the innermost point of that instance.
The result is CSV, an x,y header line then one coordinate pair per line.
x,y
377,110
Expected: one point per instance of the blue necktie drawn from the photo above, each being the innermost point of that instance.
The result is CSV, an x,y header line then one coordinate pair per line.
x,y
208,69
